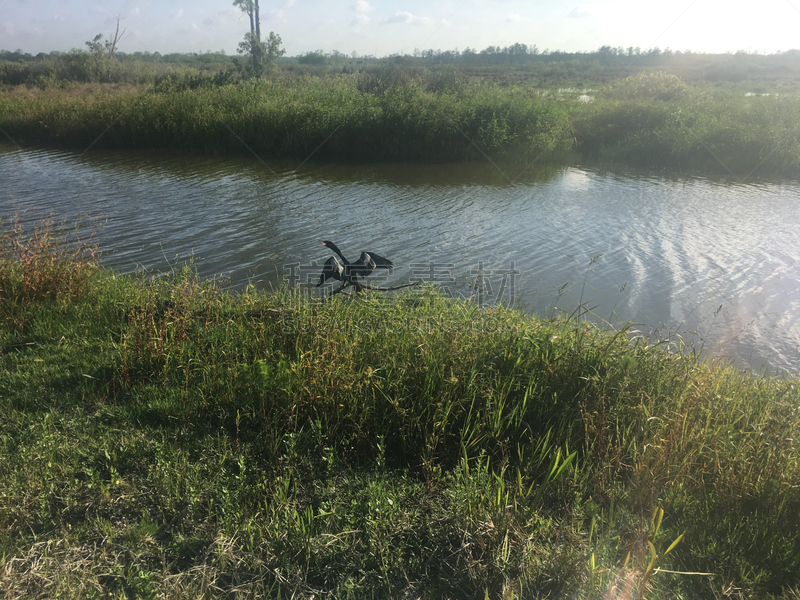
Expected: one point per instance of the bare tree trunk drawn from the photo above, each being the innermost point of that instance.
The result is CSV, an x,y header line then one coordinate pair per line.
x,y
252,44
117,37
258,23
111,47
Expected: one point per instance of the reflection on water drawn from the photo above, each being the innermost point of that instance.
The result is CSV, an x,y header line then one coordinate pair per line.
x,y
680,254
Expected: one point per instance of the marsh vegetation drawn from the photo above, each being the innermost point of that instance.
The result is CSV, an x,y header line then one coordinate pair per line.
x,y
161,437
640,110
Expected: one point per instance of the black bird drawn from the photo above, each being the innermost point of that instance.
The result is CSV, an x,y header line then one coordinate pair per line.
x,y
345,271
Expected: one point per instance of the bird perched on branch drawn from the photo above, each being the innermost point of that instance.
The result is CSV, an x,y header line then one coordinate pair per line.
x,y
348,273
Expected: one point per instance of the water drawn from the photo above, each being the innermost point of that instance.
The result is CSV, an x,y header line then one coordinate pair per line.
x,y
715,262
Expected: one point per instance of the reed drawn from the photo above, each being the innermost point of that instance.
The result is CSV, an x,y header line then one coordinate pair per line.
x,y
655,120
164,437
295,117
651,120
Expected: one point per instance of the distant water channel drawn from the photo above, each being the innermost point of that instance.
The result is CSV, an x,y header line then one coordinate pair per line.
x,y
713,262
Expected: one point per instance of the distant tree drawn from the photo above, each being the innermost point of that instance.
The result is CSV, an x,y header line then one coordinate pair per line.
x,y
262,55
251,8
273,48
313,58
518,52
606,52
100,47
102,56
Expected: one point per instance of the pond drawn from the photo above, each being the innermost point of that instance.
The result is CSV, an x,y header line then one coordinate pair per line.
x,y
715,263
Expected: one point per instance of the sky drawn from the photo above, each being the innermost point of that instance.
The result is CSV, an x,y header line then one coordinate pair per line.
x,y
382,28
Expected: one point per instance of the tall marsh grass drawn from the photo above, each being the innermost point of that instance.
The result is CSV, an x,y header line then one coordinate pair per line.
x,y
656,120
38,263
296,117
165,437
392,113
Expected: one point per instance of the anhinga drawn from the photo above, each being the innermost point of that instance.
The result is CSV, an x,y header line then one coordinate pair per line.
x,y
348,273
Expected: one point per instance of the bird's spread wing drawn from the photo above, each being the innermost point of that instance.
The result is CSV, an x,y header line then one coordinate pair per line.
x,y
331,268
378,261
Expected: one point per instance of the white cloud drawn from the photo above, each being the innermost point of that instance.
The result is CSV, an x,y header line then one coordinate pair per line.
x,y
514,18
400,17
580,12
362,7
403,17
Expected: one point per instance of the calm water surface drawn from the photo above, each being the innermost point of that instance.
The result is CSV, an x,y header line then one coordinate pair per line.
x,y
679,255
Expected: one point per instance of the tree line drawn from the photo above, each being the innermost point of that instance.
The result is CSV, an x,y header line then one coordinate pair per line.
x,y
491,55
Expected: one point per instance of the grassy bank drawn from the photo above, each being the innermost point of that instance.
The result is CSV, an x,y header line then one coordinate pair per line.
x,y
163,438
651,120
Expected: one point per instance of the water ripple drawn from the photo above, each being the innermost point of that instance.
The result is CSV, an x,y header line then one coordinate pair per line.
x,y
683,254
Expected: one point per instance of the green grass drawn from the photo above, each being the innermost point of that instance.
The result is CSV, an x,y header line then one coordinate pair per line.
x,y
163,438
651,120
338,117
656,120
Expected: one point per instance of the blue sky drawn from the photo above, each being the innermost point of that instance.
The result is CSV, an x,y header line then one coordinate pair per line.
x,y
381,27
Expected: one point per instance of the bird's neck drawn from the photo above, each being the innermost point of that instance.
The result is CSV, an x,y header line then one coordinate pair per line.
x,y
335,248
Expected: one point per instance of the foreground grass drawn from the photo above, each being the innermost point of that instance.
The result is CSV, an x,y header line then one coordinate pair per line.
x,y
652,120
164,439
